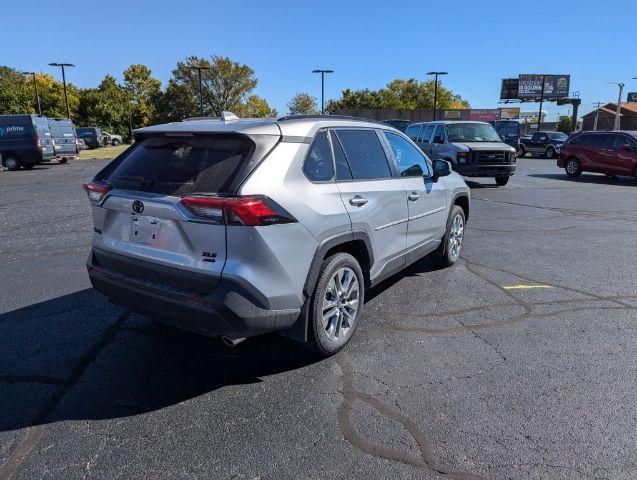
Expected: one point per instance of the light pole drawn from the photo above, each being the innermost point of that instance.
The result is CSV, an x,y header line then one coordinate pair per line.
x,y
37,94
199,68
436,89
621,86
66,98
597,106
322,72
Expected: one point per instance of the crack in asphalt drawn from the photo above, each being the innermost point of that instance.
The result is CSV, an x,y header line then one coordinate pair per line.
x,y
351,395
34,434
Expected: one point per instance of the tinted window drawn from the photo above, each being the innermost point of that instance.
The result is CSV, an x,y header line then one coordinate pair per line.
x,y
411,162
425,134
343,171
412,132
601,140
318,163
365,155
182,165
439,134
621,140
578,140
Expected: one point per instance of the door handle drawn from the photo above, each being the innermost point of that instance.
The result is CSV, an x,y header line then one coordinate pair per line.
x,y
413,196
357,201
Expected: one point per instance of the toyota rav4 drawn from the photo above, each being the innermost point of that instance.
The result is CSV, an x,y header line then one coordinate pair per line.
x,y
235,228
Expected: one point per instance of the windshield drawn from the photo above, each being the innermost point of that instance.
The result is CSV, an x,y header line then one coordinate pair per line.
x,y
558,136
472,132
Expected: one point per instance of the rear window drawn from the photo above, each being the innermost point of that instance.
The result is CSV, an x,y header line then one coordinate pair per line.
x,y
85,132
182,165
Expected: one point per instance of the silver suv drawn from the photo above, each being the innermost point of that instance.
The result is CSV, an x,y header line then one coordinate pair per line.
x,y
474,148
234,228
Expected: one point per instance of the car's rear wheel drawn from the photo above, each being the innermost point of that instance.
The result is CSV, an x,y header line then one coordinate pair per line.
x,y
115,142
521,151
12,163
28,166
63,160
448,253
501,180
573,167
550,152
336,304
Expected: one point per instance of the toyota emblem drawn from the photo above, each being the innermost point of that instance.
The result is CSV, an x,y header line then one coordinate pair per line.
x,y
138,206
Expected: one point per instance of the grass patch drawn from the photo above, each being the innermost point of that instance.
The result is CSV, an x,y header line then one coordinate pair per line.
x,y
102,153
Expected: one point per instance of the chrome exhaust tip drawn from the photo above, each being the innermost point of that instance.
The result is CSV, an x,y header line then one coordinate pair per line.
x,y
232,341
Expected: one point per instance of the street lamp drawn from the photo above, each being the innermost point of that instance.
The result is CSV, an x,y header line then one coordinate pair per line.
x,y
621,86
436,88
37,94
66,98
199,68
322,72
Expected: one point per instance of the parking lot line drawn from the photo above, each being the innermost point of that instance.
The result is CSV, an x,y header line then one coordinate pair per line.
x,y
524,287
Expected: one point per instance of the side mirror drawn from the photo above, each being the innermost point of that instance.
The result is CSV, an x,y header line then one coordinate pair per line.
x,y
441,168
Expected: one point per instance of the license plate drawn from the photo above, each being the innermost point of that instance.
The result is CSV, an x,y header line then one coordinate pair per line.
x,y
144,229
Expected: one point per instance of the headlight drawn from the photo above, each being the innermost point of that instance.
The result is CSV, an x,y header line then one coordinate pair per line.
x,y
514,153
461,157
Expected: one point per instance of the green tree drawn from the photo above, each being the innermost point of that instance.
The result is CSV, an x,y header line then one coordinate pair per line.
x,y
302,104
174,104
226,84
15,94
398,94
256,107
106,106
564,124
142,90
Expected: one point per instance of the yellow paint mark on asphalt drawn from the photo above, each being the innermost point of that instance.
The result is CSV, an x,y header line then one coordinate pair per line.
x,y
524,287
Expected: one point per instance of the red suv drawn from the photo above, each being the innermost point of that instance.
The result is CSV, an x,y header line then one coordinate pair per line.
x,y
612,153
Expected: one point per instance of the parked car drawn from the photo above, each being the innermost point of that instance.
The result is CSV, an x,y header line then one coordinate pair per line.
x,y
81,145
92,136
398,124
474,148
25,141
545,144
611,153
111,139
64,138
509,131
252,226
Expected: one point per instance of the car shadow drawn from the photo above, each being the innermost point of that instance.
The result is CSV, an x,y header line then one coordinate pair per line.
x,y
69,359
423,265
599,179
476,185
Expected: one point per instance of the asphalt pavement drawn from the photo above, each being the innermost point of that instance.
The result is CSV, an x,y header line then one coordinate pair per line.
x,y
517,363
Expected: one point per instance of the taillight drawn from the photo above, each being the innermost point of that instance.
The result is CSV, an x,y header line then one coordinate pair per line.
x,y
249,210
38,143
96,191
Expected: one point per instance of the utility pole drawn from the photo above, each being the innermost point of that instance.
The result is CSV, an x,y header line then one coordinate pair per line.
x,y
66,98
199,68
597,106
322,72
539,115
621,86
435,74
37,93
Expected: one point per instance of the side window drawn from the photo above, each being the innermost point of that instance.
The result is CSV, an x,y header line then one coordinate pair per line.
x,y
411,162
601,140
412,132
365,154
579,140
343,171
439,134
425,134
318,165
621,140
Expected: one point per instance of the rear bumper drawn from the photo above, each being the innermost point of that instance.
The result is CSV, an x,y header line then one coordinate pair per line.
x,y
229,309
473,170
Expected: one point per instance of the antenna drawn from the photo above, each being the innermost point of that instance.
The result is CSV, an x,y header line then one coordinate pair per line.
x,y
228,117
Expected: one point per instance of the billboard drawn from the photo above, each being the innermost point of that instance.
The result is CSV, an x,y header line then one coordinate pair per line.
x,y
452,114
484,114
509,90
508,113
555,86
632,97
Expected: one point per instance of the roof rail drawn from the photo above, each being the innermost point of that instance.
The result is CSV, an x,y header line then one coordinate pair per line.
x,y
329,117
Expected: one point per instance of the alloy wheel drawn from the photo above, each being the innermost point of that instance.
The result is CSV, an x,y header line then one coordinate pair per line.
x,y
456,234
340,305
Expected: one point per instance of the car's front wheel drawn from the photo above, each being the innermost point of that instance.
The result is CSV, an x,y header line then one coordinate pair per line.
x,y
448,253
115,142
12,163
573,167
550,152
501,180
336,304
521,151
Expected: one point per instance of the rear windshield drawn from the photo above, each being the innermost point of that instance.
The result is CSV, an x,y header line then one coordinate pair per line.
x,y
182,165
85,132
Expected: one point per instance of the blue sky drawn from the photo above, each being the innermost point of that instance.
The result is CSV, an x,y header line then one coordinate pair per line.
x,y
367,43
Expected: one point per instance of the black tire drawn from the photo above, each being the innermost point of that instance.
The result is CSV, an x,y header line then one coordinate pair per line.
x,y
28,166
501,180
443,257
521,151
550,152
635,175
115,142
573,167
318,336
12,163
63,160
